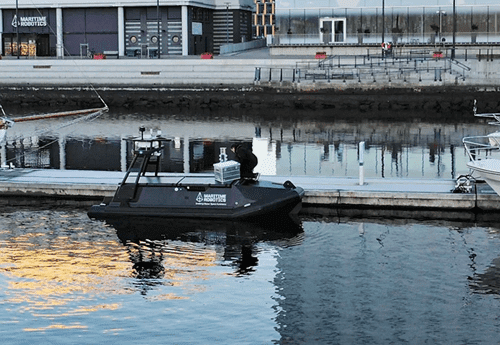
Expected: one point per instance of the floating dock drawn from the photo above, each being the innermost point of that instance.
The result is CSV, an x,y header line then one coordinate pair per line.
x,y
87,187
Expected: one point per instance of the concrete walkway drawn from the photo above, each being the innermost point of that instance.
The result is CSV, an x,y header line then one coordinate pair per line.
x,y
250,69
320,191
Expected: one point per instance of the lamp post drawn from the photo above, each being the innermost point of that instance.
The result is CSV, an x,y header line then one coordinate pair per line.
x,y
17,28
158,26
227,21
454,31
383,17
441,14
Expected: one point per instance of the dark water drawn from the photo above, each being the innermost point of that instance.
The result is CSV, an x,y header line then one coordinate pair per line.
x,y
67,279
369,278
311,143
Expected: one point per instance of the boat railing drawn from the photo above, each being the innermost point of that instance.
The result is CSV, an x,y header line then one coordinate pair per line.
x,y
480,147
495,116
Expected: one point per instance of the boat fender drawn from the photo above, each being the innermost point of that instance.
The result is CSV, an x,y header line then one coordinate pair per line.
x,y
464,184
288,185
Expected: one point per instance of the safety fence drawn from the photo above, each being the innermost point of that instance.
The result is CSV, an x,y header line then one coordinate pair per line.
x,y
367,68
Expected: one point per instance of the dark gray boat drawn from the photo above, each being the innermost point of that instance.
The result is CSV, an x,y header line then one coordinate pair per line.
x,y
222,195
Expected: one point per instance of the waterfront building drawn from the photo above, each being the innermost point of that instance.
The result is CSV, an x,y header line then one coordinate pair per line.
x,y
126,28
377,21
264,20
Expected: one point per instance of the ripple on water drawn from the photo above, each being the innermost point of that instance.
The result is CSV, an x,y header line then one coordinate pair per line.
x,y
336,282
369,283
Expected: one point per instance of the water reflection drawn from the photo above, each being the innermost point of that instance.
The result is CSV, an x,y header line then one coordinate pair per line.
x,y
297,144
49,257
487,282
351,278
455,219
58,268
151,242
379,281
484,277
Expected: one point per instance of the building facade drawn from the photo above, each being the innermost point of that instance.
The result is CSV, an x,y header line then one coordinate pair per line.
x,y
377,21
264,20
130,28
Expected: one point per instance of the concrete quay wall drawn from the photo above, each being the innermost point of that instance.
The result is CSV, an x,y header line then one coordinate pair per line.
x,y
223,72
130,72
444,101
229,83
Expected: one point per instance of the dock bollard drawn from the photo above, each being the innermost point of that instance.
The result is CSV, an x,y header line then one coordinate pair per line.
x,y
361,168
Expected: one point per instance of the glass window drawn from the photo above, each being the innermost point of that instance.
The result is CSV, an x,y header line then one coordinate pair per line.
x,y
174,13
132,13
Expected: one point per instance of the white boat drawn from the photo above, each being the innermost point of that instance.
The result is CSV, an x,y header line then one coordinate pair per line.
x,y
483,153
489,170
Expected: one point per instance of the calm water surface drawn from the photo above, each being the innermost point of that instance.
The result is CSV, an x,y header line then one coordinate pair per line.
x,y
304,143
67,279
333,280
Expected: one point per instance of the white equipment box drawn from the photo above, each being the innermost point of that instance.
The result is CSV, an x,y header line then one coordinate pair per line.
x,y
227,171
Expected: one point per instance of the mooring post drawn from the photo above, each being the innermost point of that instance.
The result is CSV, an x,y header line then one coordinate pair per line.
x,y
257,73
361,161
3,147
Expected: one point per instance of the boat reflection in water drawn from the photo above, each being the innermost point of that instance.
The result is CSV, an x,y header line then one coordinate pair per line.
x,y
150,241
487,282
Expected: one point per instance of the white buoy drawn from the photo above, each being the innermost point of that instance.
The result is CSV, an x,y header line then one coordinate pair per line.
x,y
361,161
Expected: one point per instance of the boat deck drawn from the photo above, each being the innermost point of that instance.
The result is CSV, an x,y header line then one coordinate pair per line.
x,y
177,179
319,191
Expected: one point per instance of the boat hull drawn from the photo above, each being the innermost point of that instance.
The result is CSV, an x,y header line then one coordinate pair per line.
x,y
239,200
489,170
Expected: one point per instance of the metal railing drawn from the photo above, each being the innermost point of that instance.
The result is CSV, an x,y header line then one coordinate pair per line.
x,y
415,39
366,68
480,147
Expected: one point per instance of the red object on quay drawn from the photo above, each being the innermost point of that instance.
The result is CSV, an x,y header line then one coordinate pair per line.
x,y
320,55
